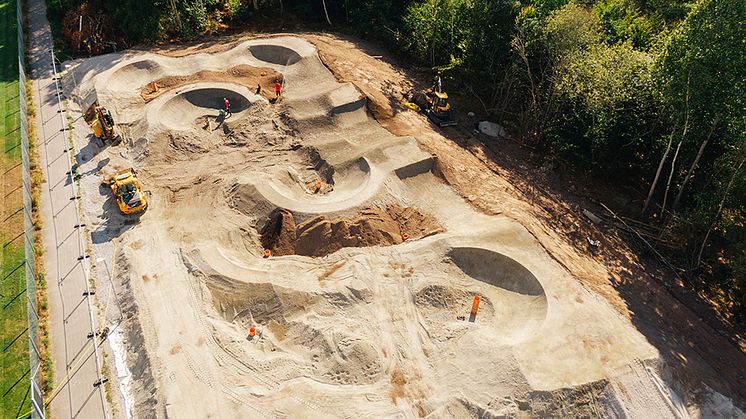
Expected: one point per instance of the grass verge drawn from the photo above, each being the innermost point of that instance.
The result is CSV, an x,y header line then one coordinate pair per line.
x,y
14,347
37,179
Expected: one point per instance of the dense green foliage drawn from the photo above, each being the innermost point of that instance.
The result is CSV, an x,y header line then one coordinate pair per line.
x,y
646,93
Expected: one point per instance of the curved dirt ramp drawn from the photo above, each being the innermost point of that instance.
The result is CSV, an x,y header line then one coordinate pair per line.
x,y
517,300
181,110
274,54
133,76
353,185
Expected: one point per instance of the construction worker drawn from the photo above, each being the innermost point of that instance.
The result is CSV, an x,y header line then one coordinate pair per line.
x,y
227,103
278,89
258,88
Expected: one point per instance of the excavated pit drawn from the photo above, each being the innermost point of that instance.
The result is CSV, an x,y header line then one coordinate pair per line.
x,y
321,235
497,270
133,76
244,75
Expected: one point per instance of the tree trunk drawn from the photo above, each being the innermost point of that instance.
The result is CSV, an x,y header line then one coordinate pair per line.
x,y
670,177
521,50
694,165
720,210
326,13
176,14
658,173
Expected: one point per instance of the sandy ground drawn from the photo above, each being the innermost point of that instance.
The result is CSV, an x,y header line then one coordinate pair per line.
x,y
380,326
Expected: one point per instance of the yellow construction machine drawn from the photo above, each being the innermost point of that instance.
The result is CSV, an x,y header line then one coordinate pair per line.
x,y
434,103
102,123
126,188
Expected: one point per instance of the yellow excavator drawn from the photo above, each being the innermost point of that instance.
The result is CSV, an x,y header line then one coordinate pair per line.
x,y
434,103
102,123
126,189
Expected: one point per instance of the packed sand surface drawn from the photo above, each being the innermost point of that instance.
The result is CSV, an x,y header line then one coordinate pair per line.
x,y
364,306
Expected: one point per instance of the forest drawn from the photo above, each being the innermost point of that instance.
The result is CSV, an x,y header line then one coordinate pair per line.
x,y
648,95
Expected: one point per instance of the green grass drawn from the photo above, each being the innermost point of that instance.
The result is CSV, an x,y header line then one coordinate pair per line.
x,y
14,357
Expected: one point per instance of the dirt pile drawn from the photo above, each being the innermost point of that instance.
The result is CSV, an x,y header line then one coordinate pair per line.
x,y
321,236
280,233
243,74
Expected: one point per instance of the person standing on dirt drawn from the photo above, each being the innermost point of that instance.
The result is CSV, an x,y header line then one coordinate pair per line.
x,y
258,88
227,107
278,89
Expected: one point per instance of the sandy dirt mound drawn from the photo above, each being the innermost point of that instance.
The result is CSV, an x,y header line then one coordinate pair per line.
x,y
243,74
321,236
260,302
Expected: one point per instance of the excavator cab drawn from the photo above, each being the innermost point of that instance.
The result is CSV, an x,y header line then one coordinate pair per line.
x,y
440,102
435,105
439,110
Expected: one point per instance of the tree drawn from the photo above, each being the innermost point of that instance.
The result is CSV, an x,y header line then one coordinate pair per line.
x,y
436,30
606,113
707,55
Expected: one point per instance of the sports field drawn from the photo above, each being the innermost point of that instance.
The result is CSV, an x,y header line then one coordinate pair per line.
x,y
14,361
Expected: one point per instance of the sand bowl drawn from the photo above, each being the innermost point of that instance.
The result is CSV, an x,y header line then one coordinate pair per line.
x,y
274,54
182,111
353,185
518,298
131,77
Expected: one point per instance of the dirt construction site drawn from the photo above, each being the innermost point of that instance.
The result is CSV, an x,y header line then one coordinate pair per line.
x,y
319,255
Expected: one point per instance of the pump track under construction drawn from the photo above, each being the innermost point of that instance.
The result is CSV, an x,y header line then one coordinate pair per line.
x,y
352,237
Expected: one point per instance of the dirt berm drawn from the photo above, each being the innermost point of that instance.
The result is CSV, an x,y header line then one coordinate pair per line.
x,y
321,236
242,74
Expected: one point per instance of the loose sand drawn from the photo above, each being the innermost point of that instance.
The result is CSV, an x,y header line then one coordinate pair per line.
x,y
352,320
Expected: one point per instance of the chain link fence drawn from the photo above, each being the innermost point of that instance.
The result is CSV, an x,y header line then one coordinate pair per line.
x,y
35,359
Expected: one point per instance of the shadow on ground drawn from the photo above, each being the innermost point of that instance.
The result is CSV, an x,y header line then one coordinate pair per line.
x,y
114,223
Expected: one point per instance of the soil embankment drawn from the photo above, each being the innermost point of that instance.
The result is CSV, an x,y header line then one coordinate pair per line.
x,y
242,74
322,235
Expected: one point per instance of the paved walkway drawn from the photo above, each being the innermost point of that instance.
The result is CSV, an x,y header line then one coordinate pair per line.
x,y
75,392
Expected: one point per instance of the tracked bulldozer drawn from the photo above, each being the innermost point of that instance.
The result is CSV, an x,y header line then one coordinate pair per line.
x,y
102,123
127,190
